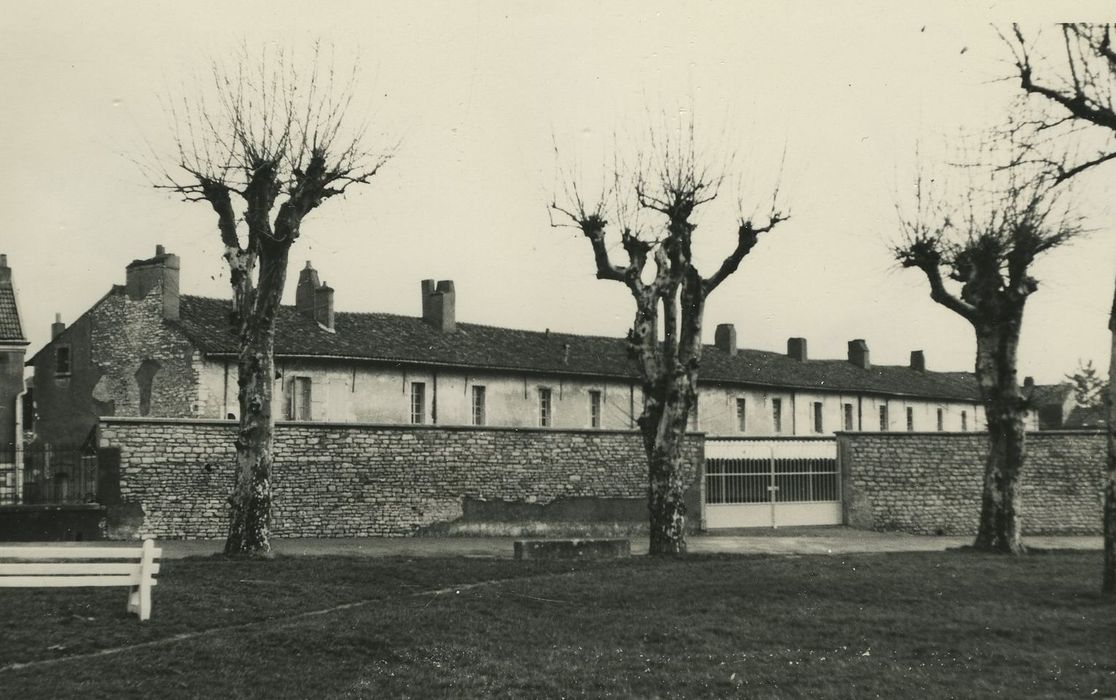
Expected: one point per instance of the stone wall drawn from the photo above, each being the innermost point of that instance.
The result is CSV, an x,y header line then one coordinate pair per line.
x,y
345,480
930,483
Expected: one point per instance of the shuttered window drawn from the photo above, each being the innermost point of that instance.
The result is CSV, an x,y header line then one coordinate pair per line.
x,y
298,403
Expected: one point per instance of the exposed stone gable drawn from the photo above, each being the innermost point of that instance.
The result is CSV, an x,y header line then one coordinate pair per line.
x,y
107,348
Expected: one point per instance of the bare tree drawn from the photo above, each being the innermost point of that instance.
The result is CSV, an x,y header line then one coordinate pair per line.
x,y
977,260
671,189
1077,79
271,147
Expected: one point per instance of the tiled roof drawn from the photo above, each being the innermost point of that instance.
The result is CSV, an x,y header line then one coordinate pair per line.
x,y
1046,394
407,339
10,329
1086,417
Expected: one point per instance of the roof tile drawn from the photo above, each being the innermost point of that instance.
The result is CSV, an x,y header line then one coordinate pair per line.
x,y
11,331
407,339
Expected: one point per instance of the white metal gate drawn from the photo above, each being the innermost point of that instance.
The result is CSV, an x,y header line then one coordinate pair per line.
x,y
771,483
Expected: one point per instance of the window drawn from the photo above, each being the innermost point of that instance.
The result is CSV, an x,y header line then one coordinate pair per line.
x,y
62,361
883,418
594,409
298,401
941,420
418,403
741,419
145,378
910,419
546,410
818,417
849,417
964,420
478,405
777,414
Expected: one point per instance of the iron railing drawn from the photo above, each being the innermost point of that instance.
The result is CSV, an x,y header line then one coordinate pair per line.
x,y
46,475
771,471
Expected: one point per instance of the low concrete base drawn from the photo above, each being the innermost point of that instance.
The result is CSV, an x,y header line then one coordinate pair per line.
x,y
573,549
52,523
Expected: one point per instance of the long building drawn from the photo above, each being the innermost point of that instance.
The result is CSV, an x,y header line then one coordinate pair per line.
x,y
145,349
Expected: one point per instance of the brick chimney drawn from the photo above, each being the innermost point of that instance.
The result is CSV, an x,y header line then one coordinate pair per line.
x,y
5,271
57,327
439,305
858,354
143,276
918,360
314,299
796,349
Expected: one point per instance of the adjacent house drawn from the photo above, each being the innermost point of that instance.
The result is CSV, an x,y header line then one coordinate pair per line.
x,y
13,344
1053,405
145,349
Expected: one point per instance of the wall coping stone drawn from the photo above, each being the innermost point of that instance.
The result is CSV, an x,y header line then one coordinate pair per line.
x,y
954,433
109,420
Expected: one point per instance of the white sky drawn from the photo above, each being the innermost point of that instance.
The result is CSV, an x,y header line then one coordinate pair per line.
x,y
479,93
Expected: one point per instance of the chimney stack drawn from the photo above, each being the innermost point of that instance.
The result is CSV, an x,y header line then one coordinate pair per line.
x,y
305,291
57,327
323,306
724,338
1028,382
439,305
162,271
918,360
858,354
796,349
314,299
5,271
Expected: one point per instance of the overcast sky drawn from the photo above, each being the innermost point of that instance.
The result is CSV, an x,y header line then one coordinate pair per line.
x,y
479,94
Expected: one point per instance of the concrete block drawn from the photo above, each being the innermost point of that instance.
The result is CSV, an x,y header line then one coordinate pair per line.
x,y
573,549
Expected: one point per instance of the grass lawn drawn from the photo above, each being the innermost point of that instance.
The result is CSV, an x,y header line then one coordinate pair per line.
x,y
924,625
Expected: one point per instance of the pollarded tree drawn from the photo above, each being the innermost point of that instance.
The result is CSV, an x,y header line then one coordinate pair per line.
x,y
977,261
270,148
1077,77
672,300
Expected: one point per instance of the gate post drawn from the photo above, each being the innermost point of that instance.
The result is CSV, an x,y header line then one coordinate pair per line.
x,y
772,488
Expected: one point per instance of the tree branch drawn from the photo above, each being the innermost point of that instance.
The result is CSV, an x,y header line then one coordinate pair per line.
x,y
1076,102
746,237
924,253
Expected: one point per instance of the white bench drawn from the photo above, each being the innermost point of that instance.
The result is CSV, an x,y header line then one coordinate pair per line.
x,y
57,566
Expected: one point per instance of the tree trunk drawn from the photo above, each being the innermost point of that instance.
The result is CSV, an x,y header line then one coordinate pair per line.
x,y
663,438
1108,583
250,502
1000,521
1000,514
